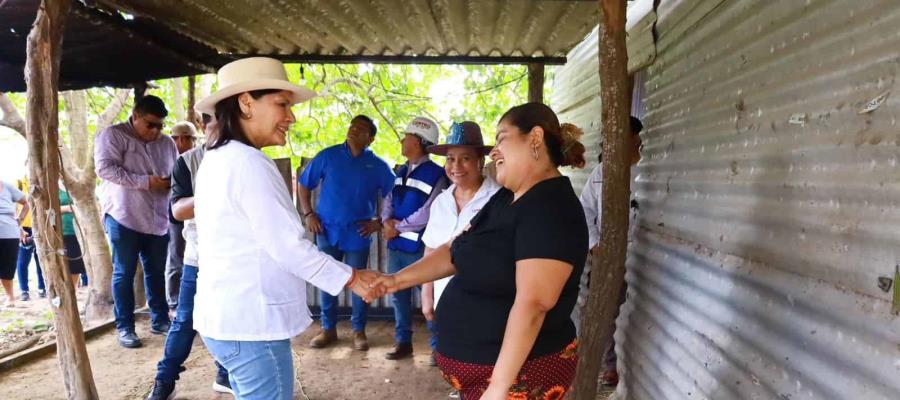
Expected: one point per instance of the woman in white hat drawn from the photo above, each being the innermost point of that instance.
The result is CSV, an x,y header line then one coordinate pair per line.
x,y
251,298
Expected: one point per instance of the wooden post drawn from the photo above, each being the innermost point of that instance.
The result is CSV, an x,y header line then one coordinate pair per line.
x,y
609,269
536,82
192,99
42,78
140,89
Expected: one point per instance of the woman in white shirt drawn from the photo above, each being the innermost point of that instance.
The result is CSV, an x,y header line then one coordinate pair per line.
x,y
452,209
251,298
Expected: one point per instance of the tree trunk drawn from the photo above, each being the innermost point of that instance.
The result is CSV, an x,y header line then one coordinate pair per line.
x,y
609,268
178,98
81,182
192,100
42,76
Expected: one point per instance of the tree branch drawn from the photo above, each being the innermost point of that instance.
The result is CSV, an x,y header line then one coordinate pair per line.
x,y
355,82
113,109
11,117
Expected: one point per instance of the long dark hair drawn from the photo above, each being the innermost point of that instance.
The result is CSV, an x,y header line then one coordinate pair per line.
x,y
228,120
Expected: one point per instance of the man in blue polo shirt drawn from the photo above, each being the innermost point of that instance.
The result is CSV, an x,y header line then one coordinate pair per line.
x,y
353,178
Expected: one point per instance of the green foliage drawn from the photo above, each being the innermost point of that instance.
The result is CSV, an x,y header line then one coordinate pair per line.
x,y
391,94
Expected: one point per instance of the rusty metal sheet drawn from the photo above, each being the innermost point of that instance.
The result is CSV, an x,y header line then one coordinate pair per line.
x,y
767,248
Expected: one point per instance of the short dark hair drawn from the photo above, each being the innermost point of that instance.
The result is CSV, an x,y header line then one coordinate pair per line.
x,y
636,125
371,124
150,104
228,117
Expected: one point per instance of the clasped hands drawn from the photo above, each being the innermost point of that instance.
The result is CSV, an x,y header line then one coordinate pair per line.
x,y
371,285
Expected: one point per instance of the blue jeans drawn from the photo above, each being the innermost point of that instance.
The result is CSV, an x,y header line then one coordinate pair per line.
x,y
127,245
356,259
257,370
432,327
397,260
25,253
182,333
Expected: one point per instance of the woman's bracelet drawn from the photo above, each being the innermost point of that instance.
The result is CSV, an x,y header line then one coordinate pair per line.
x,y
308,213
353,278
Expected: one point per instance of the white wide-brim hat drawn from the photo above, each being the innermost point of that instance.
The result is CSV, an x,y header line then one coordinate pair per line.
x,y
248,74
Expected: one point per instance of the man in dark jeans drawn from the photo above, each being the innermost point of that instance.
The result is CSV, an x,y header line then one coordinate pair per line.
x,y
351,178
134,160
181,335
185,136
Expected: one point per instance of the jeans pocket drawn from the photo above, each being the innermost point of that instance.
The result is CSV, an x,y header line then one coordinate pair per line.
x,y
225,350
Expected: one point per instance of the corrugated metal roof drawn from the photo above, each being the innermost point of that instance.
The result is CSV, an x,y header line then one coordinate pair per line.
x,y
376,27
101,48
768,202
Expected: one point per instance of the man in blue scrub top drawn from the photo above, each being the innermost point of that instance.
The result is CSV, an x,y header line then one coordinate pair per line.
x,y
352,179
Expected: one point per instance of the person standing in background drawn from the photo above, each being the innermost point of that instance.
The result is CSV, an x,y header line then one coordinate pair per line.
x,y
26,251
405,214
352,179
134,160
185,136
10,235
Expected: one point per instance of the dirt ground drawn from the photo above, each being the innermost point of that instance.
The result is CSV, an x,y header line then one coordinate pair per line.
x,y
334,373
29,318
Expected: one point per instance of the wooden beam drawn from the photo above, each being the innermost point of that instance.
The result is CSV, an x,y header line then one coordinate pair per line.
x,y
43,50
608,270
383,59
536,82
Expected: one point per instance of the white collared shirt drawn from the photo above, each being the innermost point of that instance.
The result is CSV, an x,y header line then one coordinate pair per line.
x,y
250,242
592,203
445,222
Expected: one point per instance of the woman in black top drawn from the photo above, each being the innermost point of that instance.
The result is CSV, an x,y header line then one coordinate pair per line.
x,y
504,317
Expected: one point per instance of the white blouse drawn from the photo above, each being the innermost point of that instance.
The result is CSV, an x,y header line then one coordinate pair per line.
x,y
445,223
250,242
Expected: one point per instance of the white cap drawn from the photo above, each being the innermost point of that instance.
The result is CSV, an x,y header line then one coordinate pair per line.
x,y
423,128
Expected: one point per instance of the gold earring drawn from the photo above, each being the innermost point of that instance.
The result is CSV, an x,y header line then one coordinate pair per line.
x,y
534,153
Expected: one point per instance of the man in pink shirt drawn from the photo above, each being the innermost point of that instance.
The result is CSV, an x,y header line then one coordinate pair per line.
x,y
135,160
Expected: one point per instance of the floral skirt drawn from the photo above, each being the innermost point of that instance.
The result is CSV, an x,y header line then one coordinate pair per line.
x,y
544,378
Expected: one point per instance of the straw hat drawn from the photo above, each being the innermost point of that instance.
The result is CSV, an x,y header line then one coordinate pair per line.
x,y
248,74
462,134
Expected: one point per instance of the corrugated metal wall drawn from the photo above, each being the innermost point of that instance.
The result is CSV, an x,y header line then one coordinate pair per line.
x,y
768,201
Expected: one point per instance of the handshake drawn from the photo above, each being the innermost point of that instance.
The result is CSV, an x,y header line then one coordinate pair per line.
x,y
371,285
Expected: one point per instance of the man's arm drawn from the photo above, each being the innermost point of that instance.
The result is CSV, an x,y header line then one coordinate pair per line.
x,y
109,158
419,219
307,182
182,197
